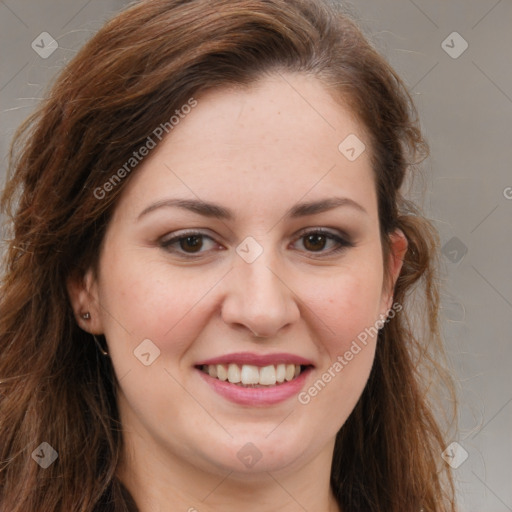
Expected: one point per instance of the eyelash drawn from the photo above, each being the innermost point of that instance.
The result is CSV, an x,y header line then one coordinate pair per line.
x,y
343,243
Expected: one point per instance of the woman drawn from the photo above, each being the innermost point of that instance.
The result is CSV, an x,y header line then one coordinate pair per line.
x,y
207,297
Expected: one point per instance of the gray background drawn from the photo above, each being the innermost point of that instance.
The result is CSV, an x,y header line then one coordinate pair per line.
x,y
465,105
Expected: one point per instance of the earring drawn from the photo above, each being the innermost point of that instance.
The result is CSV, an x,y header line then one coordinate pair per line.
x,y
102,350
87,316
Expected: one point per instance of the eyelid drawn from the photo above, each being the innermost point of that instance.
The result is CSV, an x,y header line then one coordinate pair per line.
x,y
342,239
325,231
168,240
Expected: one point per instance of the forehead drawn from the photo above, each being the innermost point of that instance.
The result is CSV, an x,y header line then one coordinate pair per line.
x,y
276,141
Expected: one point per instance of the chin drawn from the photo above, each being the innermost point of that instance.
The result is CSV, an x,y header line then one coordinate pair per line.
x,y
260,453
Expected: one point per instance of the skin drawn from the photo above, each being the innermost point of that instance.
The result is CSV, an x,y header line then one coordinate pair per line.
x,y
257,151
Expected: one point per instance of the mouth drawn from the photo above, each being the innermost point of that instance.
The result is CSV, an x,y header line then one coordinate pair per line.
x,y
253,380
252,376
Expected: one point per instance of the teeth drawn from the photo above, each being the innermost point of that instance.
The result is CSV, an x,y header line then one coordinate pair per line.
x,y
280,372
234,374
250,375
222,373
290,371
268,375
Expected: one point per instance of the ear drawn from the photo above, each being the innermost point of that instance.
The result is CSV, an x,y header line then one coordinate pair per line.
x,y
83,294
398,248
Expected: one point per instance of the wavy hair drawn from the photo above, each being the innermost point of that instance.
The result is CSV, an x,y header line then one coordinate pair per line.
x,y
126,80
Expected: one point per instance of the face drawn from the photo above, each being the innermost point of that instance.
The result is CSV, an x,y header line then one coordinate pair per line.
x,y
259,287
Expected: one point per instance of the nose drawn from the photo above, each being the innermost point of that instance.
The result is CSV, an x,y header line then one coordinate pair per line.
x,y
259,299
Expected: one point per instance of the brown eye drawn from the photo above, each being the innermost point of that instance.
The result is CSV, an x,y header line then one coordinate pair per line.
x,y
314,242
191,243
194,242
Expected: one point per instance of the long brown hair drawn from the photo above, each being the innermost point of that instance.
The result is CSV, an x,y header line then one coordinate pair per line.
x,y
126,81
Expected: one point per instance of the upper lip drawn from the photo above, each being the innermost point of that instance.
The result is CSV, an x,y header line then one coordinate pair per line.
x,y
242,358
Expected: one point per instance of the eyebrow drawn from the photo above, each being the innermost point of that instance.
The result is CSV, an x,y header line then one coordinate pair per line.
x,y
214,210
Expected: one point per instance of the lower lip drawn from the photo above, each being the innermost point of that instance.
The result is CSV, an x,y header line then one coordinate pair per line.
x,y
257,396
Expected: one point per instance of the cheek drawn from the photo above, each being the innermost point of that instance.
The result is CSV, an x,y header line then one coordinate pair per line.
x,y
149,300
172,305
346,309
346,305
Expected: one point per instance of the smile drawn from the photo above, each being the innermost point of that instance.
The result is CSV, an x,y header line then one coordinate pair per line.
x,y
255,379
248,375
